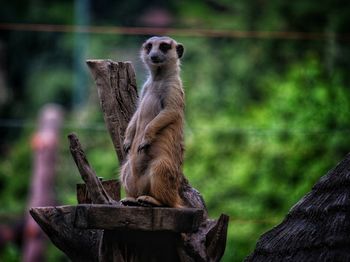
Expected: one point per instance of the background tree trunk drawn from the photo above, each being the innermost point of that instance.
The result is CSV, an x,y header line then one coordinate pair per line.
x,y
44,144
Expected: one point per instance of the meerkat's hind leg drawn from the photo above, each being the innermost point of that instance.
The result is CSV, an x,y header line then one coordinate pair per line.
x,y
149,201
129,201
164,183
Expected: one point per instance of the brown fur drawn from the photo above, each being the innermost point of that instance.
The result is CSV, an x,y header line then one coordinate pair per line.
x,y
154,138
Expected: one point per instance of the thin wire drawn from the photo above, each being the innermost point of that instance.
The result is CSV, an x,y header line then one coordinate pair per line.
x,y
120,30
19,123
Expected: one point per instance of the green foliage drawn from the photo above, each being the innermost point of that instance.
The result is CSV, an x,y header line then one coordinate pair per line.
x,y
47,85
256,165
15,171
10,253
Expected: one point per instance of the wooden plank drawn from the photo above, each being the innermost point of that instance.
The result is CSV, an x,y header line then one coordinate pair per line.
x,y
112,188
138,218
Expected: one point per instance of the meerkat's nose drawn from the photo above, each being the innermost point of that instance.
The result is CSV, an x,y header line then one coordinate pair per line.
x,y
155,58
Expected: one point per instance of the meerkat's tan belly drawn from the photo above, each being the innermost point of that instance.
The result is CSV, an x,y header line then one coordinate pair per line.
x,y
167,145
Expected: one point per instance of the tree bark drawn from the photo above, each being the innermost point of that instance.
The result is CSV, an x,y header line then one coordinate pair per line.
x,y
117,90
58,224
94,186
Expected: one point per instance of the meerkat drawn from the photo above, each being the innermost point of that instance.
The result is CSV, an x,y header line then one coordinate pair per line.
x,y
152,173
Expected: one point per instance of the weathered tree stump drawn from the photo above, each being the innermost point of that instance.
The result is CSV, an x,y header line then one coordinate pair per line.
x,y
107,231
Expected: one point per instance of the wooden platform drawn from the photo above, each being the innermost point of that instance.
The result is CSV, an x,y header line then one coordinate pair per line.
x,y
91,216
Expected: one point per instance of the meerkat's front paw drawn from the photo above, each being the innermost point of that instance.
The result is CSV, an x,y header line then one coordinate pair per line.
x,y
148,201
129,201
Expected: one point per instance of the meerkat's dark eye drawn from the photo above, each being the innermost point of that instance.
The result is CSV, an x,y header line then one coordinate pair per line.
x,y
164,47
148,47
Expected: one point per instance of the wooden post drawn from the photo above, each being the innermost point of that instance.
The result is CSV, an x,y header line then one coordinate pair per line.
x,y
129,233
116,87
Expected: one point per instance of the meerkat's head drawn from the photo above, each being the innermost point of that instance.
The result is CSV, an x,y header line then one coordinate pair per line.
x,y
161,52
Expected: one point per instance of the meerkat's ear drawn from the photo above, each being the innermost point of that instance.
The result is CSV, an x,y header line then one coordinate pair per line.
x,y
180,50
